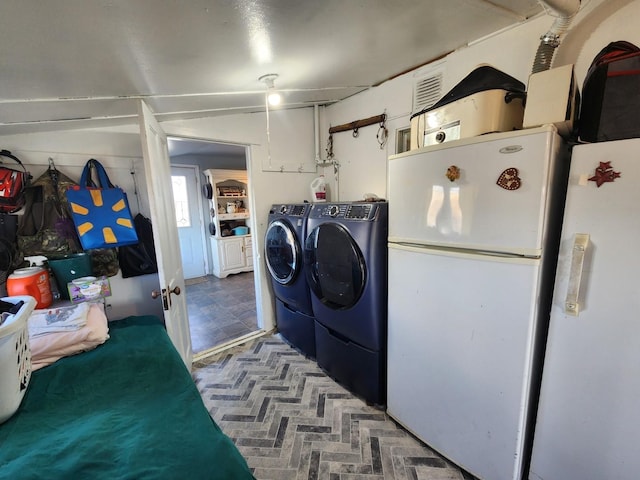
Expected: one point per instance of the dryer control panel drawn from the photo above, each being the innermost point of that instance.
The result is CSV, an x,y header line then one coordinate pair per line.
x,y
348,211
295,210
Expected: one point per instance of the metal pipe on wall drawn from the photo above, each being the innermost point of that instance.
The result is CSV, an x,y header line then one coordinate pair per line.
x,y
563,10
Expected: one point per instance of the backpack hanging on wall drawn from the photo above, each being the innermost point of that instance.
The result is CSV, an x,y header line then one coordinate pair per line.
x,y
139,259
12,184
610,108
10,257
45,227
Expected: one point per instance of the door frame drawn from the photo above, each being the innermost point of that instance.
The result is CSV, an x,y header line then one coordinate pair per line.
x,y
259,269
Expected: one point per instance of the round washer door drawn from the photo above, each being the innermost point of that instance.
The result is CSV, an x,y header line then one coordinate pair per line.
x,y
335,267
282,252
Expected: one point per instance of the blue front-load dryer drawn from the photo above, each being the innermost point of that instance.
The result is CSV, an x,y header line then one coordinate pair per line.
x,y
284,243
346,267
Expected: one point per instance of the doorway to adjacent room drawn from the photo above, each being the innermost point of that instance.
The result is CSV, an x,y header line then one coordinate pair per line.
x,y
220,310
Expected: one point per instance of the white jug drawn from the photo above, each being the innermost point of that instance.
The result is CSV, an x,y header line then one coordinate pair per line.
x,y
318,189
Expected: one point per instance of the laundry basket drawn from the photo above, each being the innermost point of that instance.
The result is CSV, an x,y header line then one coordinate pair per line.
x,y
15,357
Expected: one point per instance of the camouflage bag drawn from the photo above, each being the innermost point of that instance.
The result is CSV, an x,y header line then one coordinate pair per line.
x,y
104,261
46,228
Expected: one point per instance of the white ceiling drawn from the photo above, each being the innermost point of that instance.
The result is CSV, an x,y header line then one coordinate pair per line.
x,y
66,63
182,146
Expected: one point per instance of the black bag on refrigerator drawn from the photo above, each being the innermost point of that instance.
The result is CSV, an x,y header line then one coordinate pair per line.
x,y
610,107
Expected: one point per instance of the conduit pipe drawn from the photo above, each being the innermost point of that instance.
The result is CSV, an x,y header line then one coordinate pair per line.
x,y
563,10
316,132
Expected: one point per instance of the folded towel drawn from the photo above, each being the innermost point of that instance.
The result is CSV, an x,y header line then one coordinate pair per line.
x,y
58,319
46,349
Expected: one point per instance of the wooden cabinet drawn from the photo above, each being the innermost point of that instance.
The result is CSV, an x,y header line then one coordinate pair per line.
x,y
248,251
231,244
232,255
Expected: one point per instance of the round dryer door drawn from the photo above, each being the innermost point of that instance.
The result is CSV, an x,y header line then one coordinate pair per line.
x,y
283,252
335,267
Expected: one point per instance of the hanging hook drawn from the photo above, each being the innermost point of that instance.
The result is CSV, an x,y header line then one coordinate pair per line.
x,y
355,133
53,172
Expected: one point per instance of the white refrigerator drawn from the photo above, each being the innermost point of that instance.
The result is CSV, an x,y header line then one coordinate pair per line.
x,y
588,425
473,232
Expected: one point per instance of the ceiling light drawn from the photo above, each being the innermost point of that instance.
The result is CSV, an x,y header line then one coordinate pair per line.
x,y
273,96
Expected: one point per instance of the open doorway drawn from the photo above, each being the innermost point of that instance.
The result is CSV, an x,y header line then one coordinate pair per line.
x,y
220,310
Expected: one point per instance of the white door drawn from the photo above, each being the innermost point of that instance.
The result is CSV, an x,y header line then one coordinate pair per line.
x,y
589,412
165,233
186,200
460,333
494,197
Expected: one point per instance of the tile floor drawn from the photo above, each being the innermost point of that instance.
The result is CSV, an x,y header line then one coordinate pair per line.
x,y
220,309
292,422
288,418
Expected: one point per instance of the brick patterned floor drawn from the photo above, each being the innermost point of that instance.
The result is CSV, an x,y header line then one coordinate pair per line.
x,y
291,421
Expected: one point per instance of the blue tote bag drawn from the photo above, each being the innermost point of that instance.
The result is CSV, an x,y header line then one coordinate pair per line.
x,y
100,211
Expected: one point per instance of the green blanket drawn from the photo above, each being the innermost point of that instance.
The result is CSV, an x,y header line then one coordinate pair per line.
x,y
126,410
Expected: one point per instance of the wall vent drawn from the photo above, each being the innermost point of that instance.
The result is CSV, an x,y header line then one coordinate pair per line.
x,y
427,90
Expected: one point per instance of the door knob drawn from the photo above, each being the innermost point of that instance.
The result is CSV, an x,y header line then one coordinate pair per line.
x,y
165,298
166,295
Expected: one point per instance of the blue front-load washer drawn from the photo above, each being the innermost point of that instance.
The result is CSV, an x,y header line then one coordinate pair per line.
x,y
284,257
346,267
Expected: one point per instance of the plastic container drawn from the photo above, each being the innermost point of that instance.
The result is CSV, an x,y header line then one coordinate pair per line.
x,y
32,281
88,287
319,189
68,268
15,357
241,230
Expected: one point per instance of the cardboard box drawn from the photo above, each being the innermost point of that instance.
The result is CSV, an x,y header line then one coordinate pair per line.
x,y
553,98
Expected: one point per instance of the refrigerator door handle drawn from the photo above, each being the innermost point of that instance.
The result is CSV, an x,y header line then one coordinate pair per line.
x,y
580,244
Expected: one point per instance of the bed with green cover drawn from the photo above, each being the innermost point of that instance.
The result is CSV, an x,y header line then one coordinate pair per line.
x,y
127,410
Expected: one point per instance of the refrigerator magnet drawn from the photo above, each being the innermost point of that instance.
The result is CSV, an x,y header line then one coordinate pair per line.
x,y
604,173
509,179
453,173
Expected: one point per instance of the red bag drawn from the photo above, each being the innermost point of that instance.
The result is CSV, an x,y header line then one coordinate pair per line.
x,y
12,184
